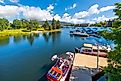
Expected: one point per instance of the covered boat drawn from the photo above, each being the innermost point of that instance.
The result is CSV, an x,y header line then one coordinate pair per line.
x,y
60,71
90,49
79,33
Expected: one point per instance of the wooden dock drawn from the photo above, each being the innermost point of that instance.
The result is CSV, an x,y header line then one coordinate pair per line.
x,y
85,66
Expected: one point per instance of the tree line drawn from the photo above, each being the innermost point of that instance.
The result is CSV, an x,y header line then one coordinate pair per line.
x,y
27,24
55,24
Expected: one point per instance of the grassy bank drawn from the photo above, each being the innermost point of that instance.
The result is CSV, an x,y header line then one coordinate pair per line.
x,y
12,32
20,32
56,30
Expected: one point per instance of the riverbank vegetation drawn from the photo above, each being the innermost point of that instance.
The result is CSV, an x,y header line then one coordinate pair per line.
x,y
113,70
24,26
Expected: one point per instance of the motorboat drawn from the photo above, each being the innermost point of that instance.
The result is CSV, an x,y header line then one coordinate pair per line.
x,y
62,67
94,50
79,33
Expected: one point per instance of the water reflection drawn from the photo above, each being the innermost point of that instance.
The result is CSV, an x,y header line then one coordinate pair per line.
x,y
4,41
46,36
17,39
32,37
51,35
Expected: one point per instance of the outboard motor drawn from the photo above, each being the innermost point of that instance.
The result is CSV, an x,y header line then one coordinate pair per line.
x,y
54,57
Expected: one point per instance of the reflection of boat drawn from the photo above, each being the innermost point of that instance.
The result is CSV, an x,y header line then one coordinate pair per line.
x,y
79,33
94,50
60,70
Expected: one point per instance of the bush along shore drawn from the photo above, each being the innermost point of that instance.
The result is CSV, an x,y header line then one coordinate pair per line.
x,y
25,27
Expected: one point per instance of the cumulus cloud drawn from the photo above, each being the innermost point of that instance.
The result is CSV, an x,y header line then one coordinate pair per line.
x,y
92,10
107,8
9,11
50,7
57,17
103,18
29,12
1,1
72,7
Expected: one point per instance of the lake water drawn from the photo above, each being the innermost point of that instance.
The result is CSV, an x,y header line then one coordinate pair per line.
x,y
27,58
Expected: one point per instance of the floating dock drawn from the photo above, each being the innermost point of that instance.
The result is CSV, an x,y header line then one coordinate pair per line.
x,y
85,66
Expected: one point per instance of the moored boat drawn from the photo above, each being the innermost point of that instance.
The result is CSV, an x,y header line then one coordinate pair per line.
x,y
60,70
79,33
94,50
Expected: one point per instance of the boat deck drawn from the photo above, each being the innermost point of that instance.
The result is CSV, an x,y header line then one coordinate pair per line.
x,y
84,67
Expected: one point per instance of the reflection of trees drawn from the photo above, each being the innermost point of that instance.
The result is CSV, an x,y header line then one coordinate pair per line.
x,y
4,40
36,35
30,39
46,36
53,35
17,38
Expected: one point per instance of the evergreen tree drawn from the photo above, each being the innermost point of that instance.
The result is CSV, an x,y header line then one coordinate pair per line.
x,y
53,24
58,25
46,25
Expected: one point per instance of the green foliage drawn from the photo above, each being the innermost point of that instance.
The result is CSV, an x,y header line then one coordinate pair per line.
x,y
54,25
46,25
17,24
117,10
58,25
117,23
4,24
101,24
113,70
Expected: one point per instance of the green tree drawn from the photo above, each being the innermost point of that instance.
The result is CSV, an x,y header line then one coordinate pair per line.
x,y
46,25
53,24
17,24
113,70
4,23
25,23
58,25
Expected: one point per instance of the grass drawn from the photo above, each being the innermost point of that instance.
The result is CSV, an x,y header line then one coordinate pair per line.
x,y
56,30
12,32
16,32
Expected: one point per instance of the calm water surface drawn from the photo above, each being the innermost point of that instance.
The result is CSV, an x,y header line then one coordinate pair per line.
x,y
27,58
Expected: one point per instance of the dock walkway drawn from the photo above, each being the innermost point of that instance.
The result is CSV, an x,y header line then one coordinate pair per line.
x,y
85,66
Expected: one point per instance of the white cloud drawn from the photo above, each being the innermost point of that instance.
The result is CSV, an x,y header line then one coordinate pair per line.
x,y
103,18
9,11
81,14
36,13
72,7
50,7
28,12
107,8
14,1
1,1
57,17
92,10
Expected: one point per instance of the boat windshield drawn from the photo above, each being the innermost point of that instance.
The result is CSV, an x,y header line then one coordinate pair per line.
x,y
55,74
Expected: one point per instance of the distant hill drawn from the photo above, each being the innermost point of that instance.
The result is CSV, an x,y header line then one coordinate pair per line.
x,y
62,23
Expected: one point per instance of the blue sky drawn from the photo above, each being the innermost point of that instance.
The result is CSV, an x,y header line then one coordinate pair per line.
x,y
74,11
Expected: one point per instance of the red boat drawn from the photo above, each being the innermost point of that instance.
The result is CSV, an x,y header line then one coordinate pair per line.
x,y
60,70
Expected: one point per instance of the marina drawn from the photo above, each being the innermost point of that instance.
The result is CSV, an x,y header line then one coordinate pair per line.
x,y
36,52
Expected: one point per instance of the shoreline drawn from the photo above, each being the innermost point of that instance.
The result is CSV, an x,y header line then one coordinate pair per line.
x,y
20,32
